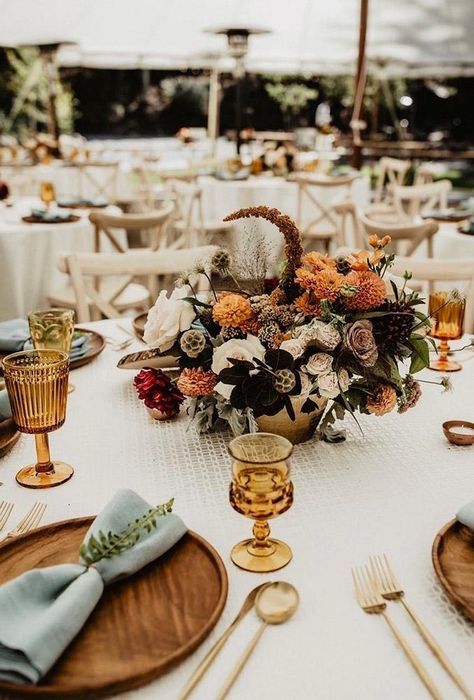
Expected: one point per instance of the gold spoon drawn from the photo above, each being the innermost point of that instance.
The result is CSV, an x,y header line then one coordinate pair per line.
x,y
274,604
211,655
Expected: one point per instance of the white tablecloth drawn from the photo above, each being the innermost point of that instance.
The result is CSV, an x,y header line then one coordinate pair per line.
x,y
28,254
388,490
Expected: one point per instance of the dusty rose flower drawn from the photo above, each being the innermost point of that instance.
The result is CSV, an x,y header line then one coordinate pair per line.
x,y
319,363
359,339
382,401
294,346
328,385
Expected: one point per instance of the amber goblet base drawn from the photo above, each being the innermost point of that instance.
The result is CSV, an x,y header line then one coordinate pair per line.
x,y
45,473
442,364
261,556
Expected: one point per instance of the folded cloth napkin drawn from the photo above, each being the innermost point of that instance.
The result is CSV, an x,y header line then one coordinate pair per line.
x,y
79,346
466,515
13,334
42,610
50,215
5,408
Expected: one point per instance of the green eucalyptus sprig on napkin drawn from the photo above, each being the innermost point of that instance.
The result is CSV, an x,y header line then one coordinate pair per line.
x,y
106,546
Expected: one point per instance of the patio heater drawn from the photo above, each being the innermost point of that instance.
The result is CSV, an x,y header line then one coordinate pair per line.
x,y
238,44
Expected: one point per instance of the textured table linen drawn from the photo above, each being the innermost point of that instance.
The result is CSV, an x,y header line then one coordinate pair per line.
x,y
388,490
42,610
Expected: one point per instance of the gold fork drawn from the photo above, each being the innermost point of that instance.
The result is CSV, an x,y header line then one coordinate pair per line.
x,y
371,601
29,522
5,511
385,581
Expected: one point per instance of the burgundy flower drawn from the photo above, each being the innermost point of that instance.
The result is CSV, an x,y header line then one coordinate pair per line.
x,y
157,390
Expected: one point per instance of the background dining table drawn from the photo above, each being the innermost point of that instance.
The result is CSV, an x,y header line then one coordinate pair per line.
x,y
28,255
389,487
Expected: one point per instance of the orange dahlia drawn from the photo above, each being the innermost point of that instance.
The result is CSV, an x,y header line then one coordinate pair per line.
x,y
317,261
231,310
305,278
196,381
382,401
370,291
307,305
328,284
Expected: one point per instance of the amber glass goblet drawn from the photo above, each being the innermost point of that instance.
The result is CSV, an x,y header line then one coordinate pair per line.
x,y
47,193
261,489
448,324
36,381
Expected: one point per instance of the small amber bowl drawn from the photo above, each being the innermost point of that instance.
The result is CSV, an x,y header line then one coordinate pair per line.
x,y
449,429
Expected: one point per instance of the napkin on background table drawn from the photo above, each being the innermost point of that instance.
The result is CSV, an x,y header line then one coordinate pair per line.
x,y
15,336
42,610
466,515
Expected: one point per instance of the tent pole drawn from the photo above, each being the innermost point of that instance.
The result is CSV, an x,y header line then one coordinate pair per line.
x,y
361,74
213,108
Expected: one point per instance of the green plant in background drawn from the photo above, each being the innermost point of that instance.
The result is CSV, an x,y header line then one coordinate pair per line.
x,y
26,82
292,97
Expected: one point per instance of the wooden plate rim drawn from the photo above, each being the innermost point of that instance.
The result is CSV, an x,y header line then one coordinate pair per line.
x,y
435,557
137,680
11,441
90,356
36,220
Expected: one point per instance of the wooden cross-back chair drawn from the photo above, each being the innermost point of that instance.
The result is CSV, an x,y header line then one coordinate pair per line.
x,y
191,226
98,180
391,171
413,201
309,187
434,270
93,298
406,238
153,224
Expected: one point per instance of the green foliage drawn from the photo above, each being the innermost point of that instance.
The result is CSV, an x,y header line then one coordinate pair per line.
x,y
106,546
26,81
292,98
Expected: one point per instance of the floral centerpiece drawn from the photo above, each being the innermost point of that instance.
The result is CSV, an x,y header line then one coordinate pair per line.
x,y
330,335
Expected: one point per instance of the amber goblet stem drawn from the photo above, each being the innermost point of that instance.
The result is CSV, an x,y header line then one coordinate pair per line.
x,y
443,350
44,464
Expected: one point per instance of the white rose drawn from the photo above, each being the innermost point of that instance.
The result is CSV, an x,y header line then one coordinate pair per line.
x,y
294,346
319,363
306,385
328,385
168,318
238,349
398,282
344,380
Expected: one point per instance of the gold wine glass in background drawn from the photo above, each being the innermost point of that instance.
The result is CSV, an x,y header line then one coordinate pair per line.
x,y
47,193
261,489
52,329
36,381
447,311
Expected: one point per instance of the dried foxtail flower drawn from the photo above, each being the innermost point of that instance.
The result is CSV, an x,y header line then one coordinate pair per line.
x,y
292,236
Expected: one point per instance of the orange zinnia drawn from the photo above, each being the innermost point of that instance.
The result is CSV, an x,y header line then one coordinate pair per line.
x,y
307,305
305,278
231,310
328,284
196,381
370,291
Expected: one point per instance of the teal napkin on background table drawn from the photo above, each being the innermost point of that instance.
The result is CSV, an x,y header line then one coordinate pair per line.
x,y
5,408
13,334
79,346
42,610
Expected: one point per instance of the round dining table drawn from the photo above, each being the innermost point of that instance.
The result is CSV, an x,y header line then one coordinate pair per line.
x,y
389,488
28,255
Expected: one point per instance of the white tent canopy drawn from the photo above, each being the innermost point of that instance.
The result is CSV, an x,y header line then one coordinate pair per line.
x,y
407,37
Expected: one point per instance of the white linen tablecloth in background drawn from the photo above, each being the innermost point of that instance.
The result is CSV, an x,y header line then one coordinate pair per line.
x,y
389,490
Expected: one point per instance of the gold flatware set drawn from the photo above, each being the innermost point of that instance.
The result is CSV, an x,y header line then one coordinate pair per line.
x,y
275,603
31,520
375,584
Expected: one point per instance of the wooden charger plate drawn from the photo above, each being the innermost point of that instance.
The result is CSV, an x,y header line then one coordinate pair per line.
x,y
453,561
96,343
139,324
9,436
39,220
141,627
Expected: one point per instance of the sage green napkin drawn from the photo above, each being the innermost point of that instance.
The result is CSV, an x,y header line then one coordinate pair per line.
x,y
42,610
13,334
466,515
5,408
